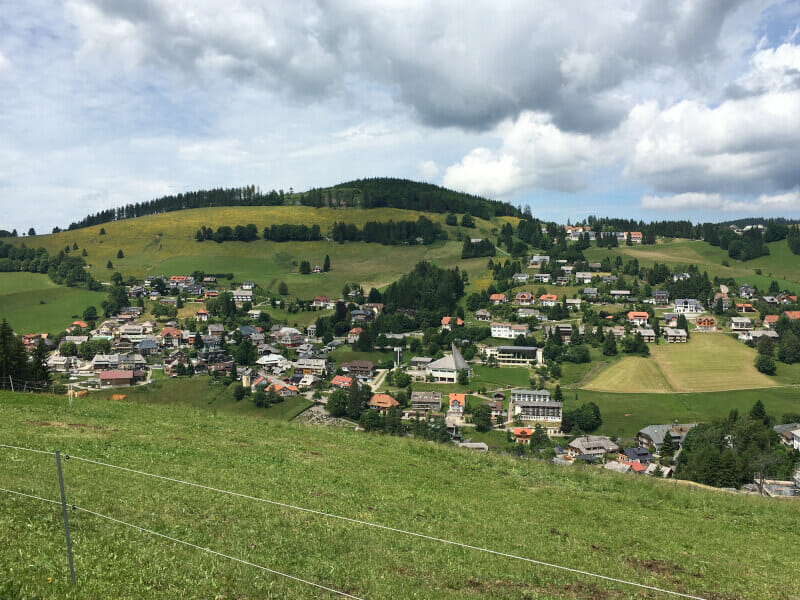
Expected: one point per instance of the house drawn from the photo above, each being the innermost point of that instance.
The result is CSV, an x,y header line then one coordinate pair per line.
x,y
456,404
741,324
508,331
583,277
670,320
687,305
311,366
342,382
538,260
450,322
648,334
354,334
497,299
681,277
548,299
284,390
363,369
722,297
527,313
483,315
522,435
639,453
792,315
147,347
785,298
426,402
771,300
620,294
706,323
574,303
660,296
541,278
747,292
674,335
60,364
591,445
590,292
242,295
273,361
796,439
248,285
638,318
508,356
744,307
320,302
116,378
535,406
520,277
770,321
171,336
496,406
654,467
523,299
562,280
446,369
653,435
608,279
382,402
217,330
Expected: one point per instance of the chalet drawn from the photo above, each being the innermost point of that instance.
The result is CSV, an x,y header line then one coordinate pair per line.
x,y
289,337
648,334
590,292
497,299
675,336
638,453
758,334
168,301
562,280
563,330
706,323
595,266
450,322
548,299
687,305
217,330
523,299
638,318
785,298
538,260
508,331
770,321
744,307
568,269
426,402
320,302
284,390
660,296
792,315
722,297
670,320
747,292
653,435
116,378
242,295
311,366
75,339
483,315
583,277
147,347
201,315
362,316
209,294
136,291
541,278
376,307
520,277
342,382
770,300
354,334
681,277
446,369
741,324
273,361
522,435
634,236
620,294
363,369
311,330
456,404
592,445
171,336
382,402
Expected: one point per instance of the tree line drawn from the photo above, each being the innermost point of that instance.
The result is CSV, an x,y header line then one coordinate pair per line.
x,y
64,268
17,365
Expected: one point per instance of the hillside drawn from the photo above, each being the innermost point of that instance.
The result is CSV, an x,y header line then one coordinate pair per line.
x,y
165,244
707,543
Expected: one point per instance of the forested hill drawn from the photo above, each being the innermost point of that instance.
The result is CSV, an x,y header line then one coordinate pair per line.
x,y
363,193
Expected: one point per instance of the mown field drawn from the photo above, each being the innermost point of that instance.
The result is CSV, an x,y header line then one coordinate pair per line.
x,y
32,303
705,543
708,361
780,265
165,244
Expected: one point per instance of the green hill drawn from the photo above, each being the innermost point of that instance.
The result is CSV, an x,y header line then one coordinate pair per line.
x,y
704,543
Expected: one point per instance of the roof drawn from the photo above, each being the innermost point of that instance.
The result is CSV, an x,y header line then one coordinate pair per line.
x,y
342,380
497,297
80,324
454,362
771,319
656,432
522,431
793,314
116,374
448,320
383,401
357,330
172,331
548,297
638,314
460,399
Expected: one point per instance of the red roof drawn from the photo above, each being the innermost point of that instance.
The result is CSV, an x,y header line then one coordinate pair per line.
x,y
116,375
447,320
497,297
522,431
548,297
771,319
458,399
80,324
383,401
638,314
172,331
793,314
357,330
342,380
637,466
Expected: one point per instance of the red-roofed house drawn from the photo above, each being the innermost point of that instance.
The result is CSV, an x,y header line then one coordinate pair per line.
x,y
382,402
548,299
523,299
449,322
793,314
744,307
341,381
770,320
80,324
456,405
638,318
320,301
171,336
201,315
353,335
522,435
497,298
284,390
115,378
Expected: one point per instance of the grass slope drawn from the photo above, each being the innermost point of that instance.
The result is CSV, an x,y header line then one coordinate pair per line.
x,y
32,303
165,244
706,543
705,363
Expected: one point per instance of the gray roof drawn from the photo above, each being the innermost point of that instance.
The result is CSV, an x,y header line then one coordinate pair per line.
x,y
455,362
656,432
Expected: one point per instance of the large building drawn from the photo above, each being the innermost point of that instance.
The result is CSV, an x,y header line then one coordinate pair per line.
x,y
446,369
533,406
508,331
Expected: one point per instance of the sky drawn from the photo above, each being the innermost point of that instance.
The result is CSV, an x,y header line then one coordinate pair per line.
x,y
653,110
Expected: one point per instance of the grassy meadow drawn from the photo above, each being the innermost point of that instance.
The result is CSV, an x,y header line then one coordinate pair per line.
x,y
705,543
32,303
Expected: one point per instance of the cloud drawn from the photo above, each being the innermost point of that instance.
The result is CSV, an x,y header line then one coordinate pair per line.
x,y
764,204
428,170
534,153
5,64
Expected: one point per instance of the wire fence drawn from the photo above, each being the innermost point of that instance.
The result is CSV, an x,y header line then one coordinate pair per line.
x,y
538,562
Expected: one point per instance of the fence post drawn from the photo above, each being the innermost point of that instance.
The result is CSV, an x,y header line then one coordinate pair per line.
x,y
66,516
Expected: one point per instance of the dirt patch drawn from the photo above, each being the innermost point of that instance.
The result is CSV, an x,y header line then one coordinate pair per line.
x,y
64,425
660,567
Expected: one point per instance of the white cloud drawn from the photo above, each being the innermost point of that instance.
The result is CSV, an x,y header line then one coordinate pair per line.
x,y
788,202
5,64
534,153
428,170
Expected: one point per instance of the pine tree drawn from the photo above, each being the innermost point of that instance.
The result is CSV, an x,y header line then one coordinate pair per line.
x,y
120,254
326,266
668,446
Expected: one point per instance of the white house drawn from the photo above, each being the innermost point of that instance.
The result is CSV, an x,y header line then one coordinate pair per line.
x,y
688,305
508,331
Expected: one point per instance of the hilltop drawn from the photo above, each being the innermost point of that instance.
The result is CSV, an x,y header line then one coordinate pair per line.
x,y
705,543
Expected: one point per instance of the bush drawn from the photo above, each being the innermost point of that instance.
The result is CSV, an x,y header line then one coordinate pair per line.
x,y
765,364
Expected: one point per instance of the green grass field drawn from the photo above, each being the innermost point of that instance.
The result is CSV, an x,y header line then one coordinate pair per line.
x,y
707,362
705,543
625,413
32,303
